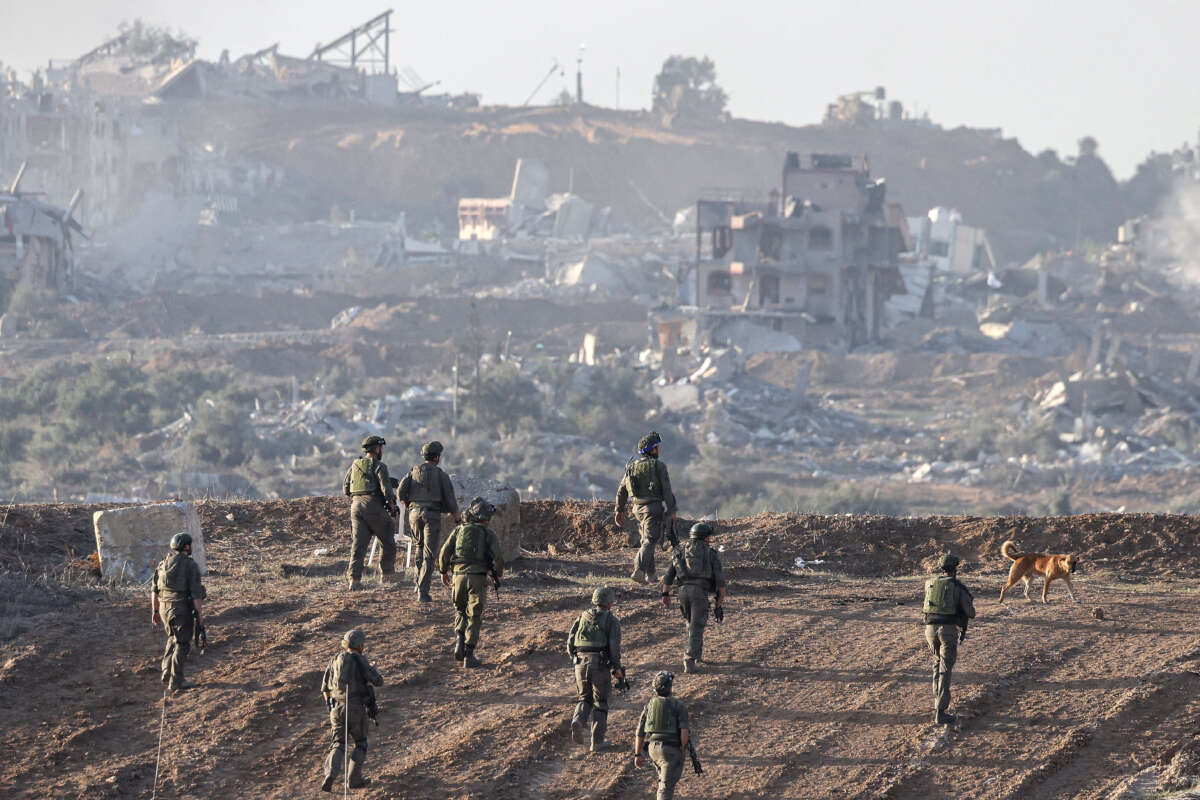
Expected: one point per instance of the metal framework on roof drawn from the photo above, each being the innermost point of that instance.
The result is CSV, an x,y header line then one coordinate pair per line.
x,y
366,47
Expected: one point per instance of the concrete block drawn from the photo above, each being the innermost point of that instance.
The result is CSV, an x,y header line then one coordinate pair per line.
x,y
507,521
131,541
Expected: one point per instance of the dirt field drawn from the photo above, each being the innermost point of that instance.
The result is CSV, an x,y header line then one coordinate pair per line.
x,y
816,686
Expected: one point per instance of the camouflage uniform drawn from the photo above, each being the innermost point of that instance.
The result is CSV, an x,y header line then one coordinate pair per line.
x,y
948,609
471,551
596,653
647,485
368,484
697,569
428,493
662,722
177,584
347,670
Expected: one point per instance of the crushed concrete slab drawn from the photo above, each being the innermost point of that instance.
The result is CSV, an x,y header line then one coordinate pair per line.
x,y
131,541
506,523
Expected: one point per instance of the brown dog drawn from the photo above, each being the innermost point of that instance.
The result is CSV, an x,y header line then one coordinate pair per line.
x,y
1028,564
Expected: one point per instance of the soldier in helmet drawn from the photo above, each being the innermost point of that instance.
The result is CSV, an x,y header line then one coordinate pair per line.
x,y
664,726
647,486
177,585
594,645
948,609
697,569
427,493
346,688
473,552
372,506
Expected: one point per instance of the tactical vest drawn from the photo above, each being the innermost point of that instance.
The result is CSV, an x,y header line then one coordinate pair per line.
x,y
662,720
592,633
470,545
941,596
643,480
362,477
425,489
693,563
172,578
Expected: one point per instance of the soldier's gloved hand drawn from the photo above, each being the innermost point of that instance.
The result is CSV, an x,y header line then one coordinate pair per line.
x,y
446,579
639,762
719,614
620,519
962,635
666,598
155,619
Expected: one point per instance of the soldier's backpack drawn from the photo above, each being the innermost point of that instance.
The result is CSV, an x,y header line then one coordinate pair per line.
x,y
643,479
661,719
592,632
362,477
941,596
470,544
692,560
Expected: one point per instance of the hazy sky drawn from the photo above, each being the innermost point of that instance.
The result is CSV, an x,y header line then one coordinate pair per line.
x,y
1125,73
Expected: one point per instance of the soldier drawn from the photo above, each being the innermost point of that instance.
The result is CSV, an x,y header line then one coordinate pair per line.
x,y
648,486
427,493
948,606
177,580
697,569
473,552
372,507
594,646
664,722
348,693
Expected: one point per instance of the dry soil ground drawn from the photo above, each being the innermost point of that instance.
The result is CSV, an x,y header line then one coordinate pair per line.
x,y
816,686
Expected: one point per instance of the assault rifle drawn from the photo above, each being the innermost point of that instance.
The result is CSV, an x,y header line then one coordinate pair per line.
x,y
495,580
199,634
372,706
622,682
691,748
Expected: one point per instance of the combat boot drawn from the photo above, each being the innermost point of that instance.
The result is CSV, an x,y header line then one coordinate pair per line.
x,y
355,584
460,646
181,686
943,718
601,746
469,660
637,576
689,666
577,729
387,577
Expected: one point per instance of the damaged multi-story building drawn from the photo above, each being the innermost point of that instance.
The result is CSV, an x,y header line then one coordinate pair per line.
x,y
817,259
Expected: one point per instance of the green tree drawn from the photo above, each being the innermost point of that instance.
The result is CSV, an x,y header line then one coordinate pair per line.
x,y
687,86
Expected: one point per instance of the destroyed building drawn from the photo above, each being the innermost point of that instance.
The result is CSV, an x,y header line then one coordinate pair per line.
x,y
817,260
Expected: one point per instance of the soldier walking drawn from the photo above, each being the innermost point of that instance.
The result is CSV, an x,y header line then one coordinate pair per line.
x,y
647,486
594,645
662,732
177,585
348,693
427,493
372,507
697,569
472,551
948,608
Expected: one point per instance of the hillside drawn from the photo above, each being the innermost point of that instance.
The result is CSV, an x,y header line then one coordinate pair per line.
x,y
817,684
422,161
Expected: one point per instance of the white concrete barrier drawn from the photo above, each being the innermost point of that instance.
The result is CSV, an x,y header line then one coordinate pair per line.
x,y
131,541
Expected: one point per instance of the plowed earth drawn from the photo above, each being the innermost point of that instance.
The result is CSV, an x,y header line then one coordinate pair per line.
x,y
816,686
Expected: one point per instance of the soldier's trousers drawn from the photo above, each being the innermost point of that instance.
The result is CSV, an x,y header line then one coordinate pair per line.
x,y
369,517
668,760
650,527
357,731
178,621
594,682
693,604
470,596
943,643
426,528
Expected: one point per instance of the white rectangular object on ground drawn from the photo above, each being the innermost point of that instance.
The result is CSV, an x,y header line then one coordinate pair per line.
x,y
131,541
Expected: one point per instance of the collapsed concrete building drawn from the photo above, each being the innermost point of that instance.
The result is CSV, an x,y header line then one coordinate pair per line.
x,y
35,238
817,260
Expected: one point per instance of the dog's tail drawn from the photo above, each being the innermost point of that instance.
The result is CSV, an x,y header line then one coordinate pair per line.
x,y
1007,549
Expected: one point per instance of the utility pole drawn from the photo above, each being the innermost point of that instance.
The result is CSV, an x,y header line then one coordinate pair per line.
x,y
579,75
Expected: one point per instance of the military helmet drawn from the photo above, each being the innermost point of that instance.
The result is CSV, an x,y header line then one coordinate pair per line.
x,y
948,561
649,442
604,596
372,441
480,510
180,541
701,530
663,682
431,449
354,639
